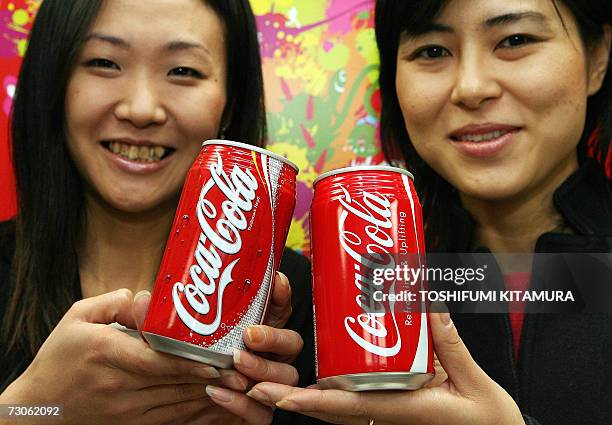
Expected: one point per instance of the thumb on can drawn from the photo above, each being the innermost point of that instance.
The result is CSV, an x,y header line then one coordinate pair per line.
x,y
140,308
454,356
107,308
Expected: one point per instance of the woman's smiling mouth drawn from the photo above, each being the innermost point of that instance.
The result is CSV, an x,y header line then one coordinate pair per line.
x,y
138,152
137,156
483,140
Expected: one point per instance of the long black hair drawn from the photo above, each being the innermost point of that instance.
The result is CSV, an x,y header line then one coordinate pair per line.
x,y
412,17
49,223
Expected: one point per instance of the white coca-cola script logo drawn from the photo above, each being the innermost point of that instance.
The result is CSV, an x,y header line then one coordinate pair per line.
x,y
223,234
373,213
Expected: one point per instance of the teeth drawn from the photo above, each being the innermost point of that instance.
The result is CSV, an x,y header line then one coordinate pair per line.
x,y
481,137
143,152
137,153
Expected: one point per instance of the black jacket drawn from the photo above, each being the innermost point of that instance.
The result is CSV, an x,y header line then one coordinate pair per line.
x,y
563,374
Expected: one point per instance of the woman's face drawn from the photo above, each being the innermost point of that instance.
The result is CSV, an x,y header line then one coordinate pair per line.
x,y
494,95
147,88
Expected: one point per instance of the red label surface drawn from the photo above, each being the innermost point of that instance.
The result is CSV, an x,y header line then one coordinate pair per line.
x,y
361,221
226,243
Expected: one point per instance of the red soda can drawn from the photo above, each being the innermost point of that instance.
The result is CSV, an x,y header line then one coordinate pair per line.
x,y
226,243
363,219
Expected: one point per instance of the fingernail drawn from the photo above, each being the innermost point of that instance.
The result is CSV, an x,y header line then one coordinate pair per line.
x,y
244,359
438,307
283,279
445,319
288,405
206,372
255,334
141,293
260,396
219,394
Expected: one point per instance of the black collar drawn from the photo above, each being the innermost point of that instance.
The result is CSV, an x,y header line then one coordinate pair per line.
x,y
584,200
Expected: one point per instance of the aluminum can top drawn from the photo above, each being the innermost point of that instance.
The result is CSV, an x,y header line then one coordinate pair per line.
x,y
362,168
252,148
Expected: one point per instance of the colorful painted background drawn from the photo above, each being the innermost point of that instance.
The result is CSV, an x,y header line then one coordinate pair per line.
x,y
320,68
15,23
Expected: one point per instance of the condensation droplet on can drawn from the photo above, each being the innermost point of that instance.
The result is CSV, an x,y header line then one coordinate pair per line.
x,y
167,278
185,220
259,252
164,300
182,241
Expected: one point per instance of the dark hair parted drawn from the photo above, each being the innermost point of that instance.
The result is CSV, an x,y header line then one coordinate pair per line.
x,y
396,17
48,227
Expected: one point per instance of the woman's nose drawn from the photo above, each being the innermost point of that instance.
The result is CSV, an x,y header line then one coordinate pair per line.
x,y
141,104
474,84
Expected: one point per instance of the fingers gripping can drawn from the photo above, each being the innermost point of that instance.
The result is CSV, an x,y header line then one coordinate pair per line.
x,y
225,245
365,219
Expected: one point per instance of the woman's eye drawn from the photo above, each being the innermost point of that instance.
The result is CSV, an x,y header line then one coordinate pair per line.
x,y
102,63
183,71
431,52
516,40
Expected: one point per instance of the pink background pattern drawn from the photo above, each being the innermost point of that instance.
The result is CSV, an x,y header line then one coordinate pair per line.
x,y
15,22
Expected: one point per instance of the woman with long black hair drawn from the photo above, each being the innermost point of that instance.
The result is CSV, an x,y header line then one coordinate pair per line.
x,y
501,109
113,102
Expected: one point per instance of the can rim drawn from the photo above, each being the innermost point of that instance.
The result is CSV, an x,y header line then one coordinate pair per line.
x,y
344,170
251,148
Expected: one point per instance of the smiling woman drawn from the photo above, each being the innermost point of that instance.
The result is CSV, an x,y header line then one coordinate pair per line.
x,y
497,101
505,97
133,130
494,105
114,100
